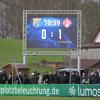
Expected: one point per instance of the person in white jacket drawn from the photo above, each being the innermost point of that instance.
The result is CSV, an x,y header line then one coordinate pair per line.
x,y
40,79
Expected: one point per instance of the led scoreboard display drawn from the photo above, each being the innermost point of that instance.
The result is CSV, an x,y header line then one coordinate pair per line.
x,y
52,32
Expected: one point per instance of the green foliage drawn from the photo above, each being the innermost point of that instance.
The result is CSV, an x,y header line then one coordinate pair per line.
x,y
11,49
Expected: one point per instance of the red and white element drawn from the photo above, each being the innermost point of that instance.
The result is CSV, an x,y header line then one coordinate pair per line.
x,y
67,23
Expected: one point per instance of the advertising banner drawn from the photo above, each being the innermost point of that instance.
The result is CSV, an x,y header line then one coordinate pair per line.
x,y
50,90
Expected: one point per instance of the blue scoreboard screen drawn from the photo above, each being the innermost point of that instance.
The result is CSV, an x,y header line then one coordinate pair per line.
x,y
52,32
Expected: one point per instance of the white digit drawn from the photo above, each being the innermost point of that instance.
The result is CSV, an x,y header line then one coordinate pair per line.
x,y
43,34
45,21
60,34
58,22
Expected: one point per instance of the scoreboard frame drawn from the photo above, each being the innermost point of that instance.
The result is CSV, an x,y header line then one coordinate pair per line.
x,y
51,12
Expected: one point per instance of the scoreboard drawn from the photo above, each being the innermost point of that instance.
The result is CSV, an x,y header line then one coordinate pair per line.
x,y
52,31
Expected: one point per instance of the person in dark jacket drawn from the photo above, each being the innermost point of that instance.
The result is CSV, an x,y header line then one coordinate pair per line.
x,y
77,78
73,76
45,78
56,78
26,79
97,78
4,77
65,79
34,78
84,78
61,76
91,76
94,78
0,77
51,78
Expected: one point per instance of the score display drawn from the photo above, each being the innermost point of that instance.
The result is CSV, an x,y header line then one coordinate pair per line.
x,y
52,32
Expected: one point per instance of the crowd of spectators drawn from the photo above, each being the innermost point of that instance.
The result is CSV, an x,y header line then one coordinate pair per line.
x,y
51,78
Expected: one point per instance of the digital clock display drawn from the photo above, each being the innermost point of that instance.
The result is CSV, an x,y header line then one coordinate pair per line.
x,y
52,32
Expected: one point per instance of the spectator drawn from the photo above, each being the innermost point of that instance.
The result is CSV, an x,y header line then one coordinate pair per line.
x,y
51,78
77,78
56,78
40,79
45,78
26,79
34,78
73,76
61,76
84,79
65,79
94,78
19,78
10,79
4,77
0,77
